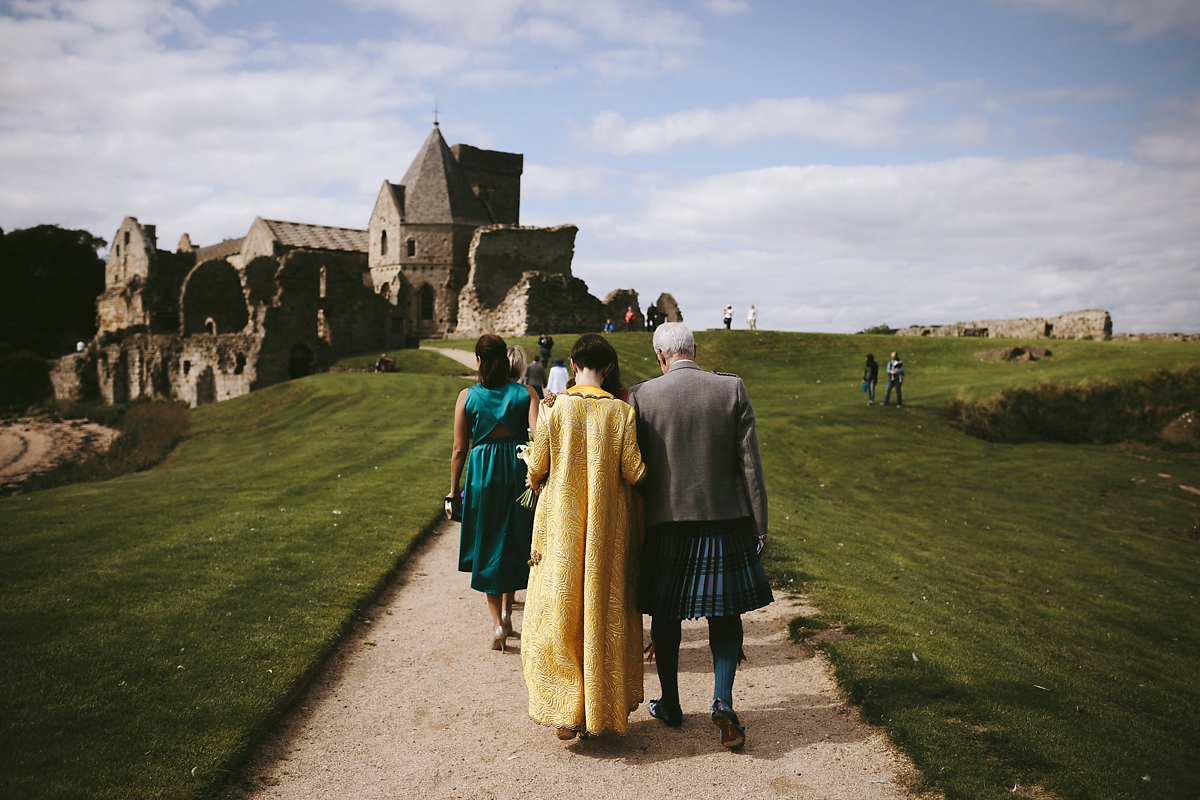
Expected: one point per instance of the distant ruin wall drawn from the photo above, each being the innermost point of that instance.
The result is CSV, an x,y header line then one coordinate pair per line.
x,y
540,302
618,302
1091,324
500,254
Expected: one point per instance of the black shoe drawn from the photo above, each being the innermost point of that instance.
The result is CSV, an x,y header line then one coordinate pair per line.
x,y
733,735
668,716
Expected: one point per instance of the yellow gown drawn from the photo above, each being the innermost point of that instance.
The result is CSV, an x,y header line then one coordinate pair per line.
x,y
581,638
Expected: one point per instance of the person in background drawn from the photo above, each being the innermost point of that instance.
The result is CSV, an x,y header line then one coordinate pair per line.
x,y
630,318
535,377
557,381
490,419
870,377
752,318
608,325
728,317
385,364
651,316
581,646
545,345
895,373
705,512
516,362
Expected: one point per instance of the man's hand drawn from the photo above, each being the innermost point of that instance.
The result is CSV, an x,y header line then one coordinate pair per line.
x,y
763,541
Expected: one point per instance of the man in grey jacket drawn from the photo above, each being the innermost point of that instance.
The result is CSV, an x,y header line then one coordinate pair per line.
x,y
705,512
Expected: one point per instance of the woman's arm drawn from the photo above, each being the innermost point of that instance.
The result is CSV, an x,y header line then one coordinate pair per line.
x,y
534,403
462,442
633,469
539,453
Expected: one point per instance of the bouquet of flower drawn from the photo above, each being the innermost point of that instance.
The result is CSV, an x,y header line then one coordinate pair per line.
x,y
529,498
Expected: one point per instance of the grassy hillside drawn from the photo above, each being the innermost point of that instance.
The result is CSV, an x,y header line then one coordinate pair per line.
x,y
153,622
1047,592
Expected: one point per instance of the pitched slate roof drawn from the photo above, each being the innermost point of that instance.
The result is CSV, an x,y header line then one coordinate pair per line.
x,y
219,250
436,190
322,237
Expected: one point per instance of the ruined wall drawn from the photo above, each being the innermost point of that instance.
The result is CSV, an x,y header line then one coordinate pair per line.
x,y
539,302
1091,324
495,177
668,308
503,282
213,300
618,302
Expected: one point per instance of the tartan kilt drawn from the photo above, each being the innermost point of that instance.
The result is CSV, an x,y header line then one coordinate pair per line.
x,y
702,569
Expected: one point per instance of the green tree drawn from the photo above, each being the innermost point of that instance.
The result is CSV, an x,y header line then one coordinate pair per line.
x,y
49,280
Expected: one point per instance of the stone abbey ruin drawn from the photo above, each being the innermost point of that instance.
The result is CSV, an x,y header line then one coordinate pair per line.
x,y
1091,324
443,254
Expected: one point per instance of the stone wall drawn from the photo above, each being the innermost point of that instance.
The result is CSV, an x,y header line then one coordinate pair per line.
x,y
1091,324
668,308
618,302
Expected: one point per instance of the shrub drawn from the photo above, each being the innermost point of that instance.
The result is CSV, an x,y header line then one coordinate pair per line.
x,y
883,330
24,379
1100,412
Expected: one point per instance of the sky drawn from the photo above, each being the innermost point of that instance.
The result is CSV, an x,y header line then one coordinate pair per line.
x,y
838,163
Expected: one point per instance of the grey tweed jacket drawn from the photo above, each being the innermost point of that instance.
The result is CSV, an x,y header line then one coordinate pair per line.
x,y
698,439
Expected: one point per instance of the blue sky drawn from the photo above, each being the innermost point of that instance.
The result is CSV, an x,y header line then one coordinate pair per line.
x,y
837,163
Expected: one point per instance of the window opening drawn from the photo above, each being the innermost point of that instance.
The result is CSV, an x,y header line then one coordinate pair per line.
x,y
426,302
412,247
322,281
383,243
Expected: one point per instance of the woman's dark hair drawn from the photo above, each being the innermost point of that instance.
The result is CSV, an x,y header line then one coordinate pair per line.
x,y
870,358
593,351
492,352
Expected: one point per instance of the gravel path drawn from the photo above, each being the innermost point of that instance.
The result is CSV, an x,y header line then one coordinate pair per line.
x,y
415,705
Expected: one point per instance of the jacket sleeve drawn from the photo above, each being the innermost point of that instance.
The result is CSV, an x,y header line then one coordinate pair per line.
x,y
756,487
539,451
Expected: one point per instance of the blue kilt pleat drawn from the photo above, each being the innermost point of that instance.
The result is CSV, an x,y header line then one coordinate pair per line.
x,y
702,569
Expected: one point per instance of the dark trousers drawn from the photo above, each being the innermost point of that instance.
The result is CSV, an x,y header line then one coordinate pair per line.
x,y
888,394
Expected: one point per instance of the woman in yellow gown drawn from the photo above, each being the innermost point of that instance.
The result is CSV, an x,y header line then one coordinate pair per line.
x,y
581,642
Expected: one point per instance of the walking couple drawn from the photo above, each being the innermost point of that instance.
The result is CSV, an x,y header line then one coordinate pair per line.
x,y
590,574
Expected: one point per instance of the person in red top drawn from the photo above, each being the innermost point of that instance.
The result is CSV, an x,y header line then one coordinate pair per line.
x,y
630,318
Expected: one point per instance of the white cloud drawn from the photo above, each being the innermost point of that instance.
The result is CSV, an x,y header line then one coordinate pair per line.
x,y
555,183
723,7
1057,94
852,121
840,248
1174,138
499,21
1137,19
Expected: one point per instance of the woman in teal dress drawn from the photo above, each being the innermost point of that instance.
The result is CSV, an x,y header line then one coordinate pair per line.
x,y
491,419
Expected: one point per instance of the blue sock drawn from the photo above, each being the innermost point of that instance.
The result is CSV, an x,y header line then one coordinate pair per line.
x,y
666,634
725,641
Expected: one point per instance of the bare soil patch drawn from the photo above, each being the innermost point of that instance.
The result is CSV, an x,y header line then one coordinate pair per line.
x,y
32,446
415,704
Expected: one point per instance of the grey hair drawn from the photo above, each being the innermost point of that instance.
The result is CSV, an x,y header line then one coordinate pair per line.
x,y
674,339
516,363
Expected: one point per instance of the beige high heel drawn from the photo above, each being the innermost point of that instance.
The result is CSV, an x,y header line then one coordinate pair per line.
x,y
506,623
498,639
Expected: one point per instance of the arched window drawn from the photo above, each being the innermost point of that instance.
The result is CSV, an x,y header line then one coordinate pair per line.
x,y
210,325
383,243
426,302
412,247
322,281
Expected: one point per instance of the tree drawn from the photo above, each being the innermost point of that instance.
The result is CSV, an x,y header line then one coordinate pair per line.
x,y
49,280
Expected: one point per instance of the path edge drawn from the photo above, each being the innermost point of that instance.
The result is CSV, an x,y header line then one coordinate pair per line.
x,y
230,772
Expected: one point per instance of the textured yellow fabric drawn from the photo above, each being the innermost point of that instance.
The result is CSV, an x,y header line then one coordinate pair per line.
x,y
581,639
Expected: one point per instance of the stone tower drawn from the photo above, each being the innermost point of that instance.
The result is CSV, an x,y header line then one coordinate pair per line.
x,y
420,230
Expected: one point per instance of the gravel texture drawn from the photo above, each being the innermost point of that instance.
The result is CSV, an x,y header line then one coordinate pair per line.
x,y
414,704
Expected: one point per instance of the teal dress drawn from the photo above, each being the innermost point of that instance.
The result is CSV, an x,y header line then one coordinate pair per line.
x,y
497,531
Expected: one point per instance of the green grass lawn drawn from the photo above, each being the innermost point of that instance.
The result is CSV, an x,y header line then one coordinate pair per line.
x,y
153,624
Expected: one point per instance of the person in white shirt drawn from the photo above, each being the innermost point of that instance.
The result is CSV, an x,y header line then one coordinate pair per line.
x,y
752,318
728,319
557,381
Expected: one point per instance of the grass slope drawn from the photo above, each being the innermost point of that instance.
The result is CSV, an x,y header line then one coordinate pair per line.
x,y
153,622
1001,568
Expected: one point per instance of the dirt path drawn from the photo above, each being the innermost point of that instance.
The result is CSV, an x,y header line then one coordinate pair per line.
x,y
30,446
415,705
464,357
